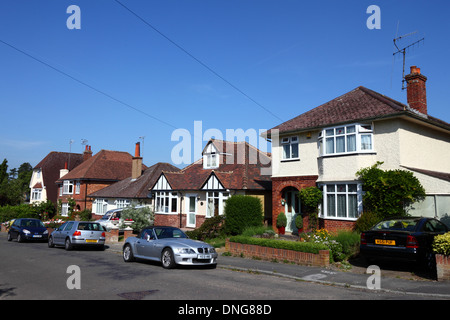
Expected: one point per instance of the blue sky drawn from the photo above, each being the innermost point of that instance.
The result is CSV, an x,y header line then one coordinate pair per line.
x,y
287,55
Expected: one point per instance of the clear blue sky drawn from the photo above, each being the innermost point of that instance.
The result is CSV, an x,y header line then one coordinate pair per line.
x,y
288,55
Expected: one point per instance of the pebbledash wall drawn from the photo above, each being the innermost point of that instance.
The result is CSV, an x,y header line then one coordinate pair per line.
x,y
443,267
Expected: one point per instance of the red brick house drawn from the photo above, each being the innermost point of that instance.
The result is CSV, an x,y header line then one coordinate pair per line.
x,y
187,197
96,172
327,145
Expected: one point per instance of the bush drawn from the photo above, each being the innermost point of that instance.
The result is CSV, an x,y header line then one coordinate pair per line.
x,y
441,244
281,220
309,247
142,217
20,211
366,221
211,228
242,212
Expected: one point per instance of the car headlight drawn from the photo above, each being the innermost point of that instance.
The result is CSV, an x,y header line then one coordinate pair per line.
x,y
26,231
212,250
45,232
185,250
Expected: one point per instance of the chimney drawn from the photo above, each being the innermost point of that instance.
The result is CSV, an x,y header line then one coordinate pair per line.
x,y
136,165
87,153
416,90
63,172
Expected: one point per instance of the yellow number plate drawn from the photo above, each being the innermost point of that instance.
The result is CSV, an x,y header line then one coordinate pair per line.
x,y
385,242
91,240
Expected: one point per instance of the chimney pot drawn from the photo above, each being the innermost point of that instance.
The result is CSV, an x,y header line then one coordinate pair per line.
x,y
137,150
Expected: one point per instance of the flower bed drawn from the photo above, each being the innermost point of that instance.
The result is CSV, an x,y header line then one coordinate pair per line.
x,y
270,249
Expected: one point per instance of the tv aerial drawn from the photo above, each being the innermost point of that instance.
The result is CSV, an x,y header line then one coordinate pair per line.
x,y
404,50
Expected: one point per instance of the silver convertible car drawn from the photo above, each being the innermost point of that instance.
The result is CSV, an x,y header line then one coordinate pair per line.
x,y
170,246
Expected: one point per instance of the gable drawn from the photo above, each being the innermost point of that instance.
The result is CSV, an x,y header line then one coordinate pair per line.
x,y
213,183
162,184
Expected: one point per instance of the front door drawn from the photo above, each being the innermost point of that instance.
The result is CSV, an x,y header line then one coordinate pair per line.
x,y
291,208
191,210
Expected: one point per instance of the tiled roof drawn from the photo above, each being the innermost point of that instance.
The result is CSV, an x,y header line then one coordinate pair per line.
x,y
105,165
50,167
239,169
137,188
360,104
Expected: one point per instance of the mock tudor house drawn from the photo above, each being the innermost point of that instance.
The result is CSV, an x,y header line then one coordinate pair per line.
x,y
187,197
327,145
47,172
131,191
94,173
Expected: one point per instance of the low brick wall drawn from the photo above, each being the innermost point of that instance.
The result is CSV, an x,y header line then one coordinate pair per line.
x,y
322,259
443,267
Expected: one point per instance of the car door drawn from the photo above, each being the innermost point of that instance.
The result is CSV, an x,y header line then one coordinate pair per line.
x,y
56,234
14,230
145,246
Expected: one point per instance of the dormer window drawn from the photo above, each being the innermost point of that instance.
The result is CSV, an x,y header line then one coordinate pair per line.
x,y
210,157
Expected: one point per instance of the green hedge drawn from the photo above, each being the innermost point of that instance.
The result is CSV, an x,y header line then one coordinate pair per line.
x,y
441,244
309,247
242,212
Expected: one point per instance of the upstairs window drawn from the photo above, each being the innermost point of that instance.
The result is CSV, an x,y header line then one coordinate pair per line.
x,y
345,139
68,187
290,148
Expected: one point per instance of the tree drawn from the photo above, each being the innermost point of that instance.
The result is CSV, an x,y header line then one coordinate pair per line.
x,y
389,192
311,197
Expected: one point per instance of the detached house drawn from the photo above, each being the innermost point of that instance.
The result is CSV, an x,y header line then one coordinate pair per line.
x,y
131,191
327,145
187,197
95,173
47,172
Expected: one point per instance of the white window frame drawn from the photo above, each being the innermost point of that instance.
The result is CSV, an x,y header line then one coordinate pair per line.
x,y
101,206
344,133
65,209
68,187
77,187
288,145
334,190
36,194
166,202
218,196
122,203
211,161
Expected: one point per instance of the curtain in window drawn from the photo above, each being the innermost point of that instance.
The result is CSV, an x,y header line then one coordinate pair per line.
x,y
341,205
331,205
352,206
351,143
366,142
329,145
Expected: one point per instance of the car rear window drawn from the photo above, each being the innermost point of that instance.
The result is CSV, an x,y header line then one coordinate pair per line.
x,y
397,225
90,226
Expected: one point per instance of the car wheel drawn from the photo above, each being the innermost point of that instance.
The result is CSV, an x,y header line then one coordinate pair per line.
x,y
9,236
167,259
128,254
50,242
19,238
68,244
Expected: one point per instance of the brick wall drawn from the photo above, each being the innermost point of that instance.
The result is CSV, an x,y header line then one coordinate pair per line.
x,y
443,267
319,260
336,225
173,220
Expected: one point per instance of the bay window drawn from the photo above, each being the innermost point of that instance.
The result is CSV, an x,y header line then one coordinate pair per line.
x,y
342,200
352,138
166,202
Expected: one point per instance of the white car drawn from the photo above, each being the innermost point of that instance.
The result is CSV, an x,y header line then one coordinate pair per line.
x,y
111,218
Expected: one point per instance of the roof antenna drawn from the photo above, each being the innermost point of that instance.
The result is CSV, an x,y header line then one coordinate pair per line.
x,y
403,51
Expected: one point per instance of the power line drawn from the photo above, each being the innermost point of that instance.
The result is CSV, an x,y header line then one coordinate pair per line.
x,y
197,60
86,84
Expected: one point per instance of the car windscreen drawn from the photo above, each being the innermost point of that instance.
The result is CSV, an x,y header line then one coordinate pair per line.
x,y
31,223
90,226
106,216
397,225
164,233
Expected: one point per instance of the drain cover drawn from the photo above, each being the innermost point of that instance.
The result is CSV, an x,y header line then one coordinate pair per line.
x,y
136,295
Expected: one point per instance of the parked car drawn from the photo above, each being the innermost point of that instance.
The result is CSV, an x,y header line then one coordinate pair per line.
x,y
408,239
170,246
27,229
111,218
78,233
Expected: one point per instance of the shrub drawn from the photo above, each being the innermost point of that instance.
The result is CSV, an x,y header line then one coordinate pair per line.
x,y
242,212
281,220
366,221
212,227
441,244
142,217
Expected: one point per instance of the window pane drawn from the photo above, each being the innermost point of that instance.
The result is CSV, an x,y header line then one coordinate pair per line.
x,y
341,205
341,188
352,205
340,144
329,132
340,130
331,205
351,129
286,151
366,142
295,150
330,188
174,205
329,145
352,188
351,143
191,204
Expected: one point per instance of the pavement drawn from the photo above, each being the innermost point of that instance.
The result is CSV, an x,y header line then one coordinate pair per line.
x,y
392,280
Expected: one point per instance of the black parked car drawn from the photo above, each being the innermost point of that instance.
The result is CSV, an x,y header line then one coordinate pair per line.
x,y
27,229
409,239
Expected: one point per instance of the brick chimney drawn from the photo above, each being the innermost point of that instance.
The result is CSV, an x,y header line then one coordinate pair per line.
x,y
416,90
136,165
87,153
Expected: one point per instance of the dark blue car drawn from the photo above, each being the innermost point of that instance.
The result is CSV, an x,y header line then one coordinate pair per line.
x,y
28,229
